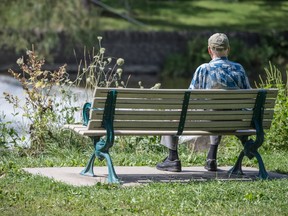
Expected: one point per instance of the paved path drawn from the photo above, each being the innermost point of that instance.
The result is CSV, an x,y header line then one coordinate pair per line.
x,y
131,176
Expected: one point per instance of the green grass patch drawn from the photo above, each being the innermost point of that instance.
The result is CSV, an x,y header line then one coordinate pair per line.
x,y
25,194
201,15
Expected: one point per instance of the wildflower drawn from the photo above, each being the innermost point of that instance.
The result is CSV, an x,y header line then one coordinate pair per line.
x,y
156,86
119,72
29,52
39,84
120,61
20,61
102,50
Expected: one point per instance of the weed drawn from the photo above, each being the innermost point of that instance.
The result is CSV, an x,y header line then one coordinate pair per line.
x,y
41,88
8,136
100,71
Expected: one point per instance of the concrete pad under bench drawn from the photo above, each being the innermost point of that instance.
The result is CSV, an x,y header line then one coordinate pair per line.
x,y
132,176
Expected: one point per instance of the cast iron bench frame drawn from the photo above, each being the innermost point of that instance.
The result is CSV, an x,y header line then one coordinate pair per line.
x,y
131,111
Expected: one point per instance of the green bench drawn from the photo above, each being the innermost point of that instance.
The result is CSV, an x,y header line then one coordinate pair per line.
x,y
130,111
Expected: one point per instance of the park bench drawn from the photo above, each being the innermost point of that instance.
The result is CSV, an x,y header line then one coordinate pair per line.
x,y
130,111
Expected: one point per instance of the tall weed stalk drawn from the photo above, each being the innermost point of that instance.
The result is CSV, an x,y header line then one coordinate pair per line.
x,y
98,70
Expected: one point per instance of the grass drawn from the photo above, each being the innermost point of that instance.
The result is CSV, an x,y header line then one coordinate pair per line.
x,y
202,15
25,194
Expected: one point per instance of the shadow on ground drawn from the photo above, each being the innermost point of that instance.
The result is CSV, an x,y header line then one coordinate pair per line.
x,y
132,176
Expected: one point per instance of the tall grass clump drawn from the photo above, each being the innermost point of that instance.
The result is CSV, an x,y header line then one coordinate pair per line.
x,y
277,136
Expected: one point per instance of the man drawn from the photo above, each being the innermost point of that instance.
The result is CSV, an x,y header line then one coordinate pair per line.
x,y
219,73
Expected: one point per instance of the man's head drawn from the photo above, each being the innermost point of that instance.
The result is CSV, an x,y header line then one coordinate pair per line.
x,y
218,44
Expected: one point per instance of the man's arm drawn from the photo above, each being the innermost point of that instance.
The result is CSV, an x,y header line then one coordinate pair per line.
x,y
195,83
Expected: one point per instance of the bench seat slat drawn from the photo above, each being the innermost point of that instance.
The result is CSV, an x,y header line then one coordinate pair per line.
x,y
177,104
188,117
171,125
84,131
175,115
198,93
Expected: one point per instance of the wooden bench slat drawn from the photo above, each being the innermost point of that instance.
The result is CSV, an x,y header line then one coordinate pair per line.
x,y
188,117
84,131
175,115
163,132
171,125
197,92
141,101
179,106
176,103
170,113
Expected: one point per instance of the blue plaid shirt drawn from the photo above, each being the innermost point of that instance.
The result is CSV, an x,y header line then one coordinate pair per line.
x,y
220,73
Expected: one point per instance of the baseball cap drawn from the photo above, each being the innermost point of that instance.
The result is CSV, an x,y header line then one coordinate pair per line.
x,y
218,41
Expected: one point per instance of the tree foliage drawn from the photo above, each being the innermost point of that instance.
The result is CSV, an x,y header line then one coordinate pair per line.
x,y
45,23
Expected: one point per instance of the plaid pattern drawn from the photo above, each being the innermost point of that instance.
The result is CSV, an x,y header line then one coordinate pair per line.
x,y
220,73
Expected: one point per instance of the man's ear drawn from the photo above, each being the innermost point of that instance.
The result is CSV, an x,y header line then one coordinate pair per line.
x,y
209,51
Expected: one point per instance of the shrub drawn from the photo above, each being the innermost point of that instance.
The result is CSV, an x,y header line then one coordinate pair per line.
x,y
277,136
40,107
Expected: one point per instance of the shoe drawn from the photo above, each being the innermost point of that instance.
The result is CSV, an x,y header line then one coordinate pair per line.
x,y
211,165
168,165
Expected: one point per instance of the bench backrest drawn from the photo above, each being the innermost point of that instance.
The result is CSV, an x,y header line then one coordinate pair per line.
x,y
162,109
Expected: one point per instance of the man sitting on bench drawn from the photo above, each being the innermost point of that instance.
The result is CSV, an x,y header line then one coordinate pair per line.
x,y
219,73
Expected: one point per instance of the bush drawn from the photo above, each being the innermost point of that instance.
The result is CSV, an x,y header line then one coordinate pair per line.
x,y
40,108
277,136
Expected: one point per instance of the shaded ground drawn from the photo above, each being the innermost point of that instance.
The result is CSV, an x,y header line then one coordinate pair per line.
x,y
131,176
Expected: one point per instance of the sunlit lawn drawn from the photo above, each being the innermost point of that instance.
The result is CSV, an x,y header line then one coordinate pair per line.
x,y
197,15
25,194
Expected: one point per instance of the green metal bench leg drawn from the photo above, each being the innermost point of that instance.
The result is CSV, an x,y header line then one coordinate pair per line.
x,y
262,171
112,176
237,168
88,171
